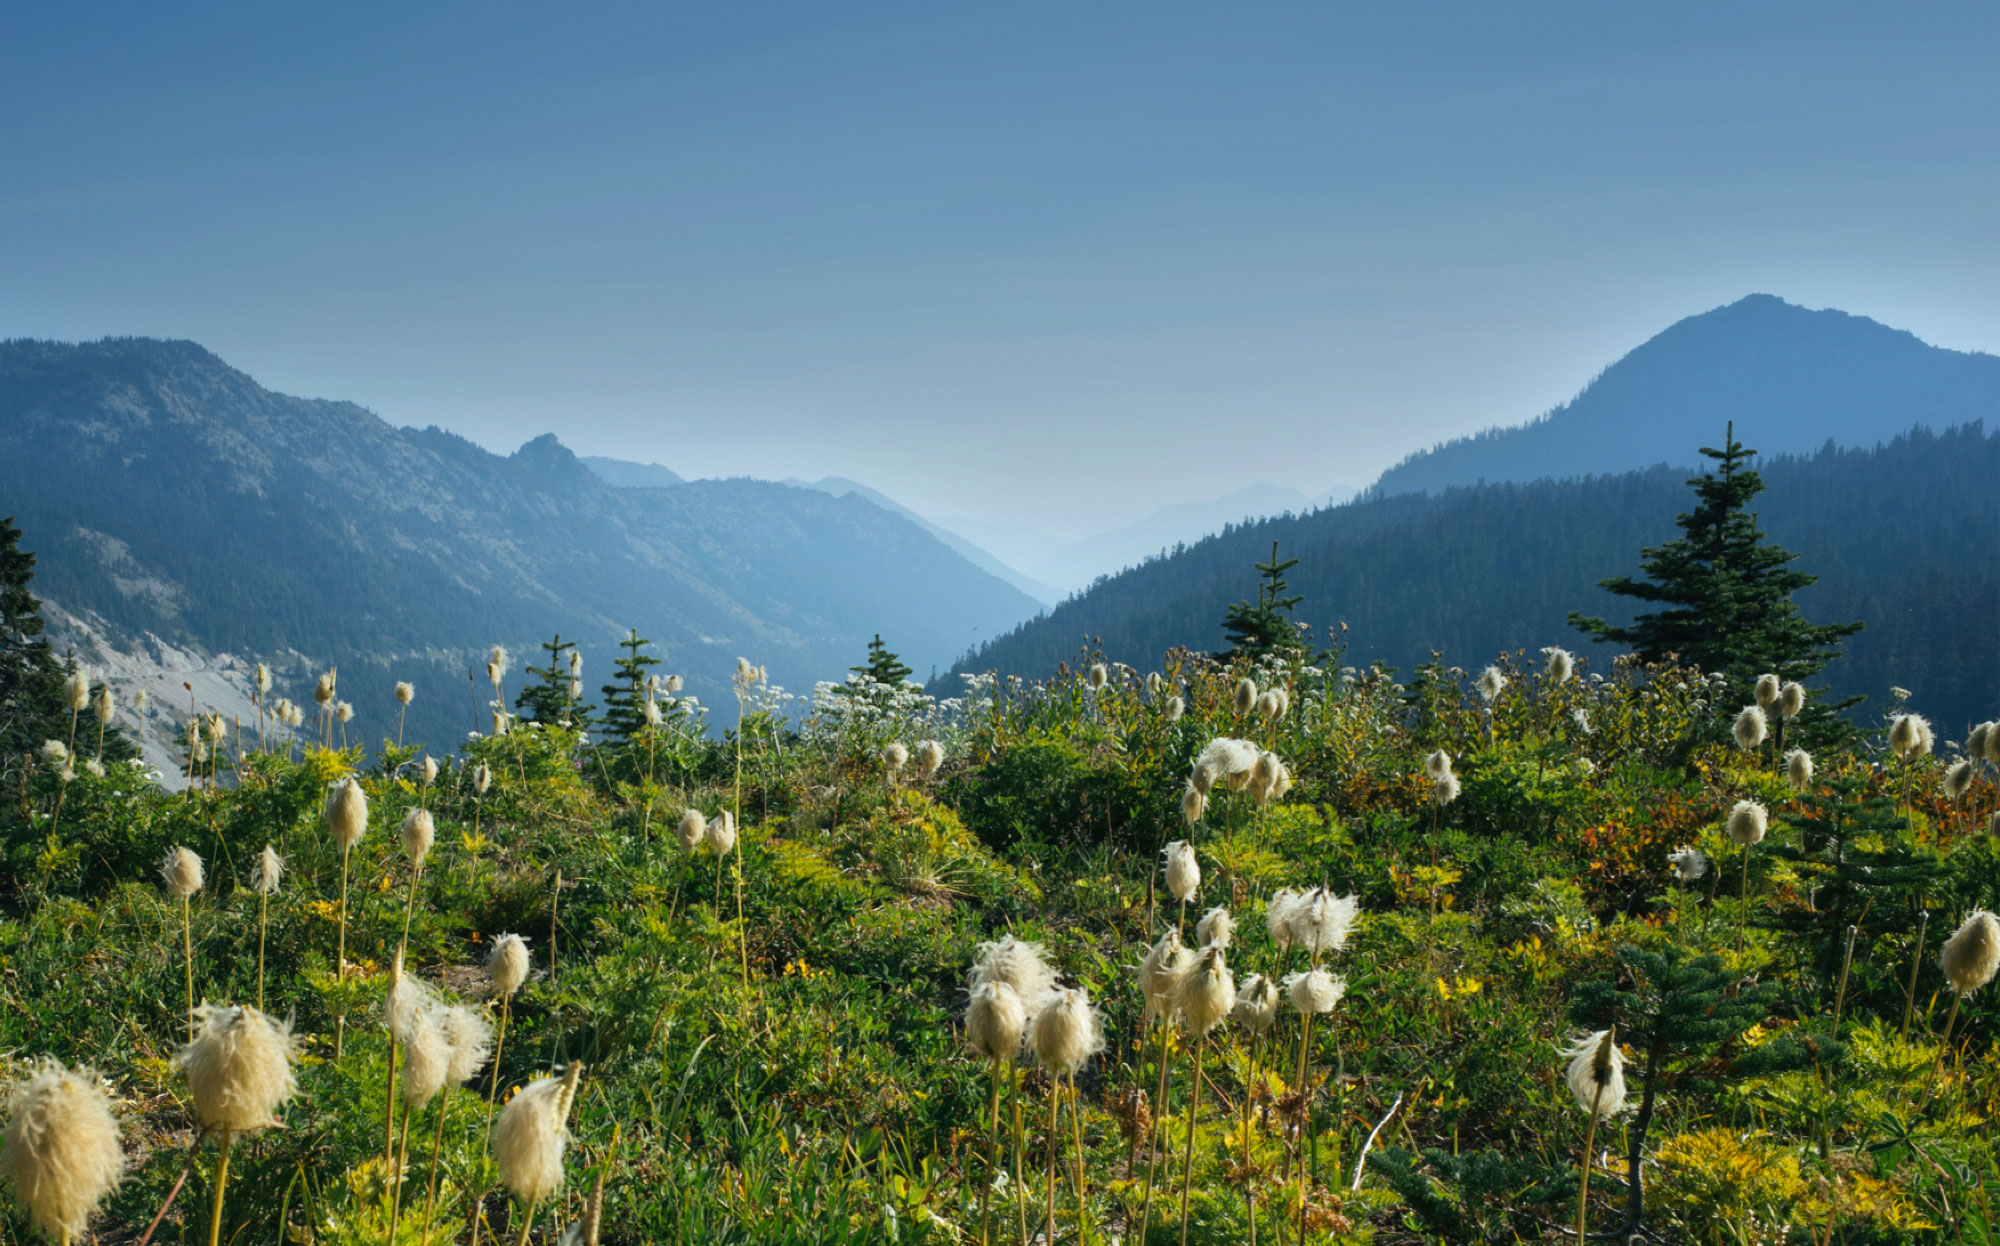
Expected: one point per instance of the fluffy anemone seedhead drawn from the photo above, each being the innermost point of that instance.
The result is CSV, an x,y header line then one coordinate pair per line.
x,y
1993,742
576,662
1278,915
469,1036
1175,708
1975,741
498,659
530,1134
1437,764
1194,803
1798,769
1596,1074
103,703
1019,966
76,690
1281,784
1322,920
323,689
343,713
1972,953
1314,991
407,998
691,830
1099,676
139,700
1747,822
507,964
419,833
1749,728
1910,736
1155,684
1256,1004
347,813
1768,690
1163,961
1491,684
1264,776
482,778
576,690
238,1068
655,717
930,757
1066,1031
745,673
60,1151
181,872
426,1057
1689,864
1445,789
263,678
721,834
1560,666
1224,757
1269,707
430,770
500,721
1958,779
1205,991
1791,699
1216,928
895,756
406,692
54,752
1246,696
1183,871
268,872
995,1021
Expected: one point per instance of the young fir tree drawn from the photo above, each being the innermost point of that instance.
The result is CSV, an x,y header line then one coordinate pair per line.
x,y
1681,1012
548,699
883,667
625,696
31,676
1258,629
1725,593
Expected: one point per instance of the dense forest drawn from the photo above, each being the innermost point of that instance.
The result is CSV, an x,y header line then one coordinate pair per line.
x,y
1902,536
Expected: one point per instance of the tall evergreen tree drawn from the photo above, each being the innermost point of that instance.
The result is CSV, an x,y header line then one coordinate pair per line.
x,y
883,667
31,677
1726,592
1256,629
548,699
625,696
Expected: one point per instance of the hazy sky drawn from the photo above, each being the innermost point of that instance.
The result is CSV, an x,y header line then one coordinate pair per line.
x,y
1054,264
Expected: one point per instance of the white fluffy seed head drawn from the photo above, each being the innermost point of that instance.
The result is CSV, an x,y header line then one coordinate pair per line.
x,y
1322,920
139,700
1993,742
1019,966
575,662
1268,707
722,834
1175,708
426,1057
1791,699
507,964
1749,728
499,722
263,678
1798,769
930,757
469,1035
1183,871
1560,665
1769,689
76,690
895,756
1958,779
1689,864
654,715
54,752
1975,741
691,830
1155,684
1437,764
238,1068
103,704
268,873
1910,736
343,713
430,770
1157,971
1445,789
482,778
1245,698
1193,804
1596,1074
419,833
60,1151
1316,990
1066,1031
995,1021
1972,953
1205,991
406,692
1256,1004
1099,676
1278,916
1491,684
530,1134
182,872
323,689
347,813
1224,757
1748,821
1216,928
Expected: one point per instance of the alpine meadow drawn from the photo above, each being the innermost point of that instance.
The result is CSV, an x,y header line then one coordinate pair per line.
x,y
1011,625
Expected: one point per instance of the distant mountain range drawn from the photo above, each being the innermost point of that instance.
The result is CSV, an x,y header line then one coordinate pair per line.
x,y
1791,379
176,505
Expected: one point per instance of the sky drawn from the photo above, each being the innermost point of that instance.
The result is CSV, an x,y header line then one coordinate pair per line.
x,y
1043,265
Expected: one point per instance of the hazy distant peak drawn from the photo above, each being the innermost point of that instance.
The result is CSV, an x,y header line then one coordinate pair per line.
x,y
624,474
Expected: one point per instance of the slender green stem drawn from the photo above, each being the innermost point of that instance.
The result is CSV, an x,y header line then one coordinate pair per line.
x,y
1020,1162
1187,1149
263,909
1055,1153
1583,1186
187,954
1249,1172
1743,900
221,1181
527,1222
1159,1127
437,1149
1076,1128
992,1149
340,954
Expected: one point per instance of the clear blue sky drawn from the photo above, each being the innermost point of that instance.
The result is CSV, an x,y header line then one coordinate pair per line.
x,y
1050,263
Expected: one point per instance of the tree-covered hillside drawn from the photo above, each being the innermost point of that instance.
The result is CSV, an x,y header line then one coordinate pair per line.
x,y
1901,536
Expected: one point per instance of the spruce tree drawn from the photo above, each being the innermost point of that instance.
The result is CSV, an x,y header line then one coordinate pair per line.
x,y
547,700
31,677
883,667
1725,592
1264,627
625,697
